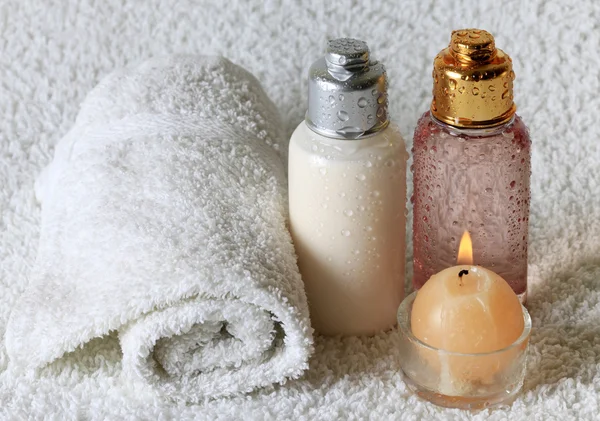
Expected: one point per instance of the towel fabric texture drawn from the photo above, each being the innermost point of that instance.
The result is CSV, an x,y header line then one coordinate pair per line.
x,y
53,53
164,219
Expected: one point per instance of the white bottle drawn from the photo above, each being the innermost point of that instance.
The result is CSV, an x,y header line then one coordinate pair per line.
x,y
347,187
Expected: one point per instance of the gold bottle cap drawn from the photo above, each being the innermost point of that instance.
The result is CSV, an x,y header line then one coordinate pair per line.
x,y
473,82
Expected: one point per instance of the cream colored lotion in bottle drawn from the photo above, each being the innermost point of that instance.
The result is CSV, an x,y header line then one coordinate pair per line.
x,y
347,187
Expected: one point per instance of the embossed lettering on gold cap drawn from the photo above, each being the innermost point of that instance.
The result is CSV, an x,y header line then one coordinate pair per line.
x,y
473,82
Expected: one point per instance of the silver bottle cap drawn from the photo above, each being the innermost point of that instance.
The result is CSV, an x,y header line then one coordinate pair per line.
x,y
347,92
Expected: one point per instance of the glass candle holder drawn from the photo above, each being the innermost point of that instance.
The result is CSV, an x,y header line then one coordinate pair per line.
x,y
459,380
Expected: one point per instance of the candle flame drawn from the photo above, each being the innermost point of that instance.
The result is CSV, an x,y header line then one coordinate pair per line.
x,y
465,250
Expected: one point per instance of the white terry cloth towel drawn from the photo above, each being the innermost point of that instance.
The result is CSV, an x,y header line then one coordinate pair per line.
x,y
164,218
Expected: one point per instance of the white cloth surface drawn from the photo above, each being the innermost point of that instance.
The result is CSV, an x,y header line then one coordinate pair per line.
x,y
54,52
164,219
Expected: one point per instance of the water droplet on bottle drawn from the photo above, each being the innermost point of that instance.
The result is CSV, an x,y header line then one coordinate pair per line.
x,y
488,190
512,184
343,115
323,170
505,94
348,212
368,228
331,100
505,84
475,91
454,223
314,148
368,164
360,177
356,251
492,88
412,199
379,111
362,102
512,75
381,99
425,218
346,233
374,92
376,193
461,89
341,97
452,84
370,118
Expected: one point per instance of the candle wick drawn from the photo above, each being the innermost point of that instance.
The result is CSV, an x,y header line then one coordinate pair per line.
x,y
460,275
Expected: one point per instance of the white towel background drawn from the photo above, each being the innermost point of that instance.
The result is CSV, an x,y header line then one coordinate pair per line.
x,y
52,53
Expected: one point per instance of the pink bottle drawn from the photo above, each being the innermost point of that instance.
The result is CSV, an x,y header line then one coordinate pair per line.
x,y
471,165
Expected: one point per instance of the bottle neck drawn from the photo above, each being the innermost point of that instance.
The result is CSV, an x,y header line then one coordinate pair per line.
x,y
479,132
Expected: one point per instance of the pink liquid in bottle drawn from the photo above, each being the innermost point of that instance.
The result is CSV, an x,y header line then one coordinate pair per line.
x,y
475,180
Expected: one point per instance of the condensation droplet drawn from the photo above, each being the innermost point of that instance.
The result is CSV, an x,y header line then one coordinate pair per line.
x,y
361,177
512,184
505,94
362,102
374,92
346,233
331,100
379,111
452,84
348,212
475,90
343,115
323,170
381,99
341,97
488,190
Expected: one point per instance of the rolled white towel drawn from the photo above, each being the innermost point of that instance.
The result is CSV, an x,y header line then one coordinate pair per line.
x,y
164,218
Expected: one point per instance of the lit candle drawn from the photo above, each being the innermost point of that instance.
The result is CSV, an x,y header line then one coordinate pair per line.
x,y
467,309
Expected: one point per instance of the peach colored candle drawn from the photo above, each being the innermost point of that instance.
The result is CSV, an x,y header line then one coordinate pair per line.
x,y
467,309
